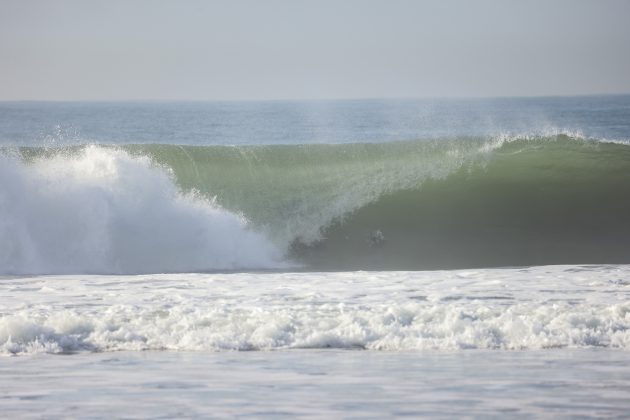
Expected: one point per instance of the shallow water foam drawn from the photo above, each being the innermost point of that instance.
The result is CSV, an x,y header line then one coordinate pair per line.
x,y
529,308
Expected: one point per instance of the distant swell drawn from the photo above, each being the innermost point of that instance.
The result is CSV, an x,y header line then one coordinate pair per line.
x,y
449,203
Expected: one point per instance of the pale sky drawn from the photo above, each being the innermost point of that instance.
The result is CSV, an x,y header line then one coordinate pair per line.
x,y
292,49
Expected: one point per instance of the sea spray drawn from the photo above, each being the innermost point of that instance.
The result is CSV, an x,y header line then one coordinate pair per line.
x,y
100,210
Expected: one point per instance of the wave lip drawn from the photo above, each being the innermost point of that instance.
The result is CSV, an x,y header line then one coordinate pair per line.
x,y
100,210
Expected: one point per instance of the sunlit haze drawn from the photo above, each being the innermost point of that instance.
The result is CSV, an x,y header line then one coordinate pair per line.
x,y
233,50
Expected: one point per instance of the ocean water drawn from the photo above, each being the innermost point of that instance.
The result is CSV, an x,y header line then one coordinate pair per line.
x,y
346,258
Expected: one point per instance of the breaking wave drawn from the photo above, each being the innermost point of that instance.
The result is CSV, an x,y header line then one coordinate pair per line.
x,y
99,210
462,202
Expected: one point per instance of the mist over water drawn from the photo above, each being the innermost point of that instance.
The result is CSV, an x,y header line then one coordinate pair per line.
x,y
301,122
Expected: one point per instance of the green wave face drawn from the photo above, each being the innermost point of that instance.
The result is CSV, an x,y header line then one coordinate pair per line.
x,y
531,203
294,192
419,205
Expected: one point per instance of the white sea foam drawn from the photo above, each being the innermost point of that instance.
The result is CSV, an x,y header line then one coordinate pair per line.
x,y
533,308
101,210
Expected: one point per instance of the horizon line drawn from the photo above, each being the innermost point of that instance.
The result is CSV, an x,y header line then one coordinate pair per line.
x,y
329,99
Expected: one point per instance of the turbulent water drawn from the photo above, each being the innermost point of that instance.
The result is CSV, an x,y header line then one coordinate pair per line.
x,y
476,252
424,204
529,308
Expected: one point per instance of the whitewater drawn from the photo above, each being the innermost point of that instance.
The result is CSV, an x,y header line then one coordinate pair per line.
x,y
511,309
104,211
381,258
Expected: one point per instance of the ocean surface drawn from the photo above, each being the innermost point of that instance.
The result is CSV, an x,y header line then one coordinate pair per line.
x,y
454,257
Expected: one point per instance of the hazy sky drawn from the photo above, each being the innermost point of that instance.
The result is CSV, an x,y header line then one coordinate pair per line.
x,y
278,49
